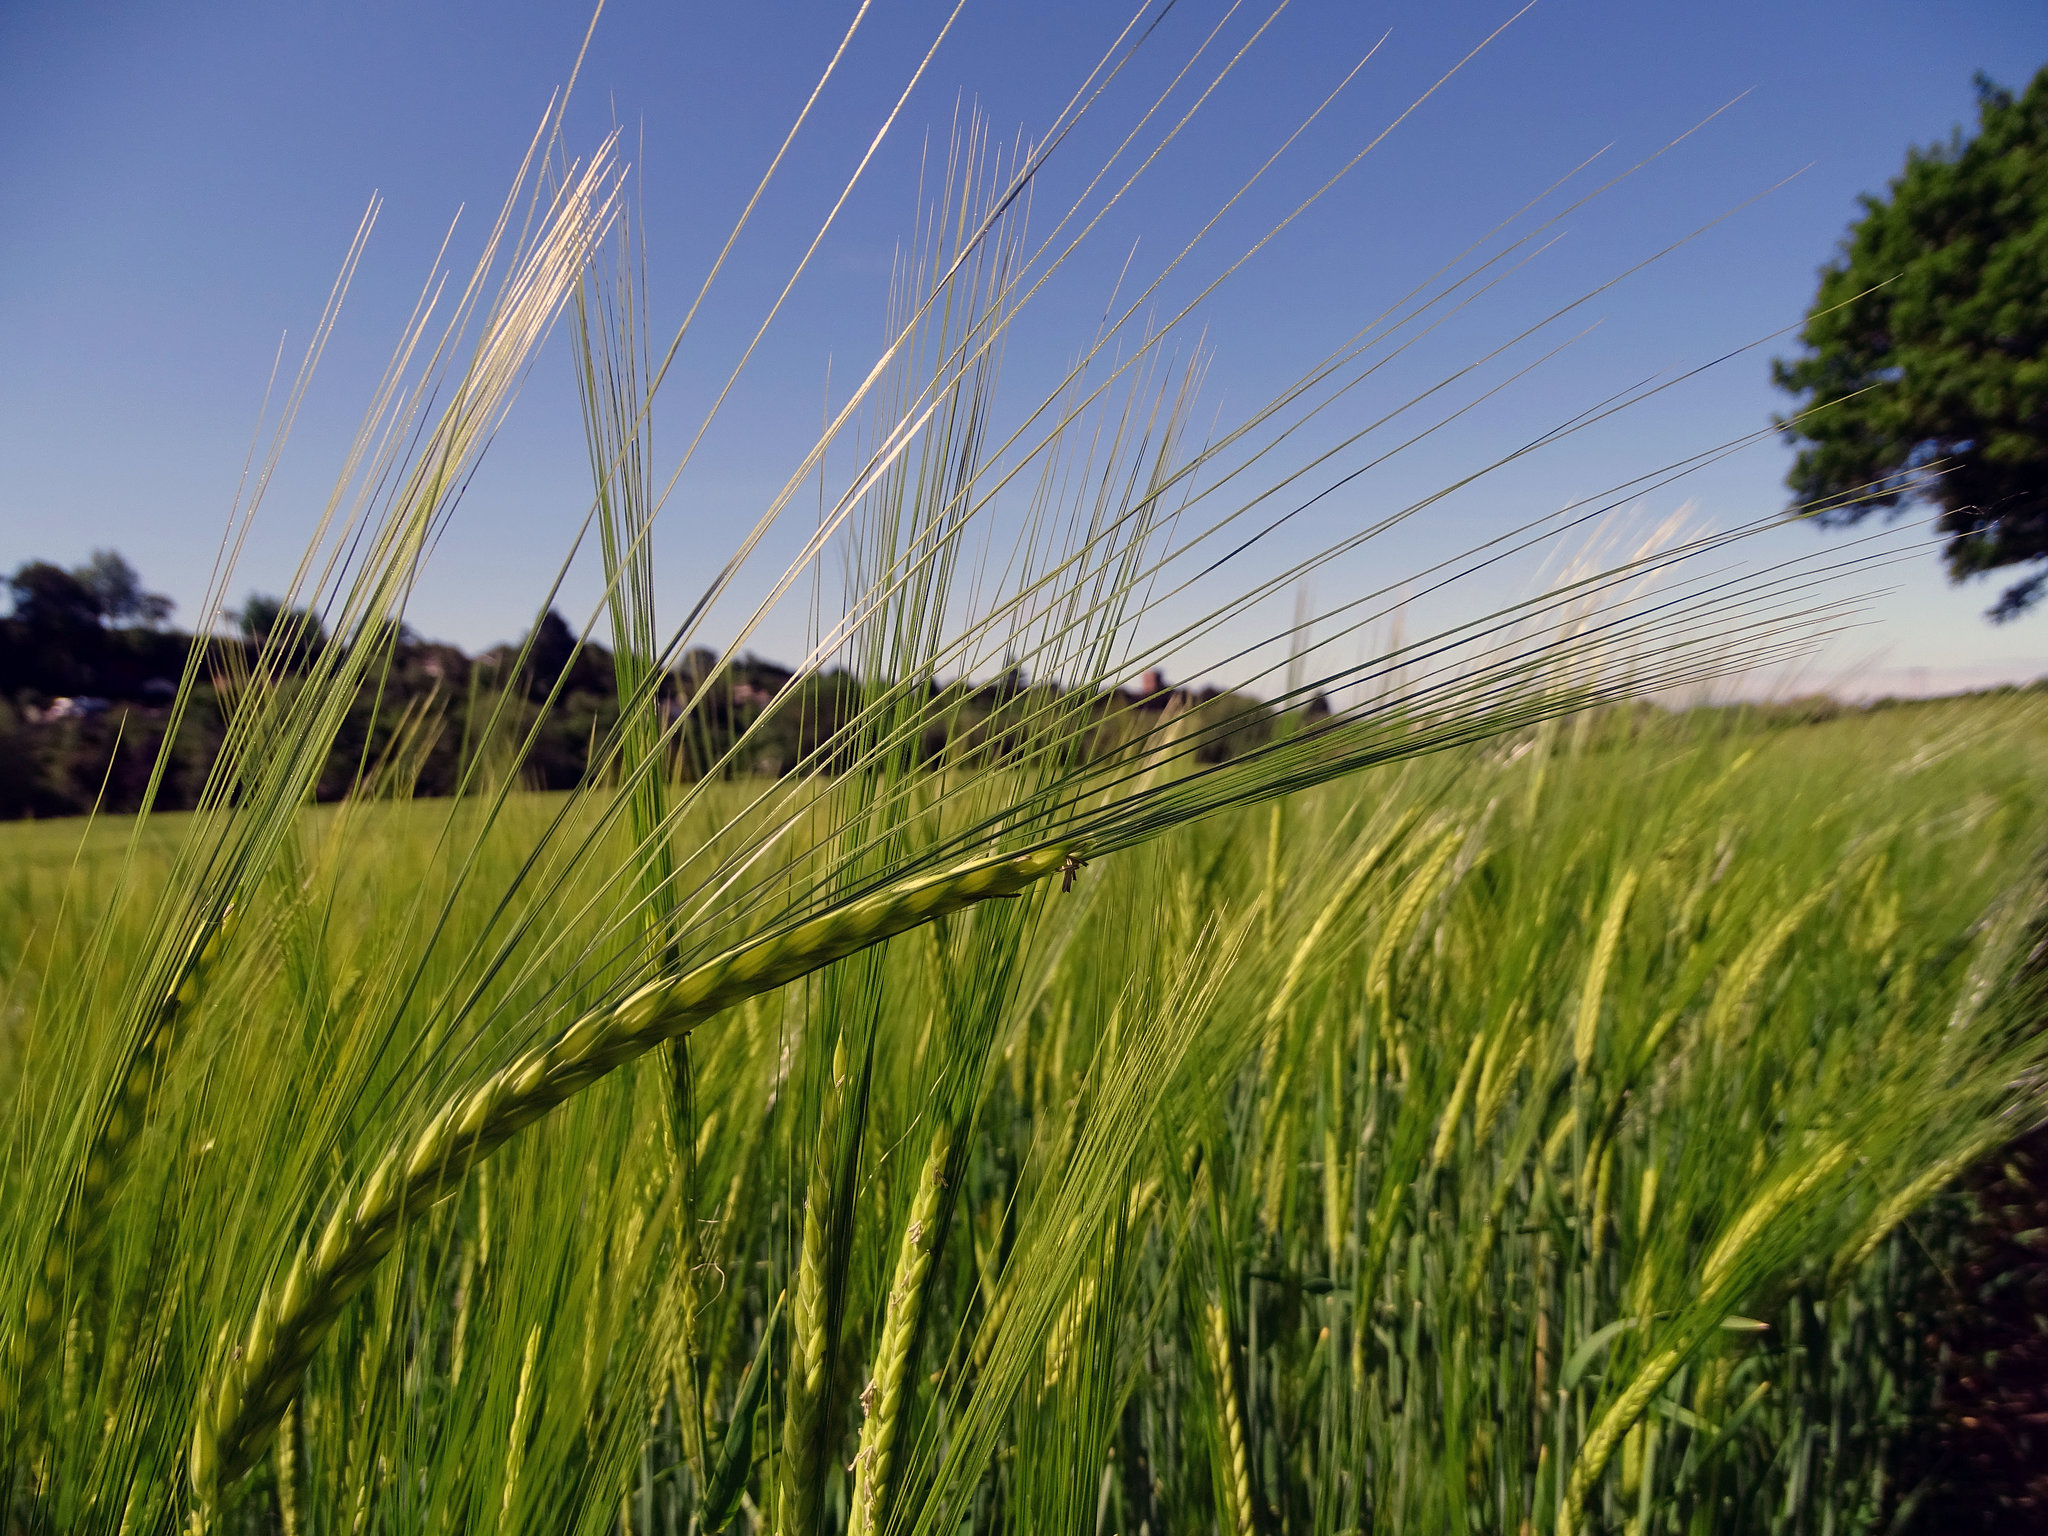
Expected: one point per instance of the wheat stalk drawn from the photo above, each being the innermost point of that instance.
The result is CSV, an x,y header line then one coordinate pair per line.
x,y
239,1408
1619,1418
804,1403
1721,1267
874,1463
1237,1474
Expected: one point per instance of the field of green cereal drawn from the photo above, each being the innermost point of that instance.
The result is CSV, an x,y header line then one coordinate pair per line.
x,y
1524,1136
1435,1091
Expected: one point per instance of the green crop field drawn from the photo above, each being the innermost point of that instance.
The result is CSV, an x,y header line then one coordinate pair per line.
x,y
1526,1135
1409,1076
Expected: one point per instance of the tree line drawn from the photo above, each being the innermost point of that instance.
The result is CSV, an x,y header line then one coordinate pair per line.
x,y
91,667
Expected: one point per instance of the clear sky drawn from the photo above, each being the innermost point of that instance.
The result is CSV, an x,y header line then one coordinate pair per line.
x,y
182,181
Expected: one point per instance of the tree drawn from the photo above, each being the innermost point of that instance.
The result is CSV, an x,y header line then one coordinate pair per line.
x,y
55,642
554,655
51,601
115,583
104,590
1925,377
266,621
550,650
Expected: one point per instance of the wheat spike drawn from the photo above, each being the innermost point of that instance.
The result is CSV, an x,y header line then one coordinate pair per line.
x,y
1614,1423
241,1405
875,1460
522,1422
1586,1030
1065,1334
1719,1268
1901,1204
1720,1262
803,1412
1447,1128
290,1465
1237,1477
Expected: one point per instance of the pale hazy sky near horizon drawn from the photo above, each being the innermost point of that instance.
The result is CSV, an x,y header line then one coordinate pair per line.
x,y
183,181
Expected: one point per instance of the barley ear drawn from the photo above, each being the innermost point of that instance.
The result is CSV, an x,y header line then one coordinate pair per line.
x,y
1902,1204
1619,1418
1237,1471
522,1422
874,1463
796,1486
245,1397
290,1464
1447,1128
1586,1028
1788,1190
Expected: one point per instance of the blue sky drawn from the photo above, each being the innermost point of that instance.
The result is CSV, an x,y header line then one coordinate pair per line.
x,y
182,182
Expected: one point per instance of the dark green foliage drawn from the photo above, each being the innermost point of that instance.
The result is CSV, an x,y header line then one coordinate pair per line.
x,y
1925,375
117,588
262,615
51,602
92,630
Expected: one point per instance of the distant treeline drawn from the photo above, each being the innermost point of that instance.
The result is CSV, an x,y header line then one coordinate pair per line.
x,y
89,672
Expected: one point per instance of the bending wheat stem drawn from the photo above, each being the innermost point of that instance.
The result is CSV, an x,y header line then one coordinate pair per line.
x,y
1608,1431
240,1407
1722,1265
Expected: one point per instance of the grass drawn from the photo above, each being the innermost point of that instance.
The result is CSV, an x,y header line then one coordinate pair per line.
x,y
1481,1105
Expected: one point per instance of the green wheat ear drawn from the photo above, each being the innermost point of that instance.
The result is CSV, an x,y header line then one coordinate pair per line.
x,y
889,1390
240,1408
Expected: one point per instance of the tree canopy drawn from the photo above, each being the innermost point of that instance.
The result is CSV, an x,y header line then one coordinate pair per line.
x,y
104,590
1925,374
118,589
50,600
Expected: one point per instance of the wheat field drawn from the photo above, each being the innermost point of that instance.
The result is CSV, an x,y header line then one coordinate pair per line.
x,y
1429,1085
1529,1137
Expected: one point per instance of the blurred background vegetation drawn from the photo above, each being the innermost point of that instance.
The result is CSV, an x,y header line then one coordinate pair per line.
x,y
90,665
